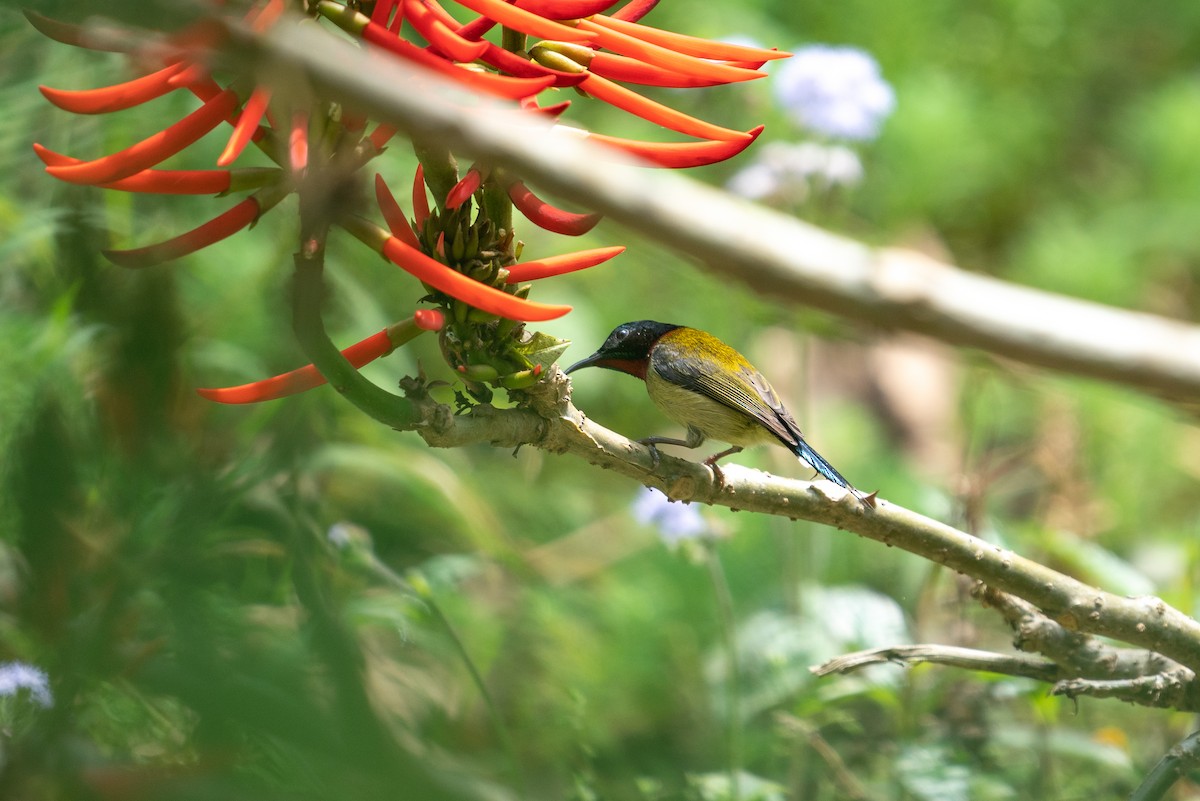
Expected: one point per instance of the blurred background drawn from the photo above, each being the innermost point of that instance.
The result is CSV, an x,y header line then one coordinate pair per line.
x,y
289,600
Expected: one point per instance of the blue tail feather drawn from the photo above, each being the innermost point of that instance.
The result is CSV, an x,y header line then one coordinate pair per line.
x,y
818,463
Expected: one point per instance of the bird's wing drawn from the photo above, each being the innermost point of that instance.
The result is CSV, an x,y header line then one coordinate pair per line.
x,y
714,370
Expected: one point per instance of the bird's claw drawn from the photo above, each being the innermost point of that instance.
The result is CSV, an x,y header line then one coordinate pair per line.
x,y
655,458
718,474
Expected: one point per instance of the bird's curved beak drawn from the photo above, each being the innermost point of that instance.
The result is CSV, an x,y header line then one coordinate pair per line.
x,y
588,362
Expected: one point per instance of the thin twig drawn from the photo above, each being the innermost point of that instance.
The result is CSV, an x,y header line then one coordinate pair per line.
x,y
842,775
1171,689
954,656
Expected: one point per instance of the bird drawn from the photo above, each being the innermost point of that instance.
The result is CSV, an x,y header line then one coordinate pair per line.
x,y
707,386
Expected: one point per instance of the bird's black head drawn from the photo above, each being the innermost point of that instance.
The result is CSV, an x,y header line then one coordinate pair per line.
x,y
627,347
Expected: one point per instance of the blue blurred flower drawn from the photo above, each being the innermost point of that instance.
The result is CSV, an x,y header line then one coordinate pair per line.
x,y
788,171
17,676
835,91
675,522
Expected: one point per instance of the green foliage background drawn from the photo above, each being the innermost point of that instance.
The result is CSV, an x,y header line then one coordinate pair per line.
x,y
169,564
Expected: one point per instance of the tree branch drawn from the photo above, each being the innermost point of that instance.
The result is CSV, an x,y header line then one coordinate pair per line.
x,y
548,420
779,256
1179,760
954,656
1079,655
1172,689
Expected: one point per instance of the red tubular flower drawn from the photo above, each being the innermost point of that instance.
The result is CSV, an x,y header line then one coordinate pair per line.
x,y
565,9
476,28
631,70
681,43
420,200
543,215
382,13
393,215
647,109
583,48
520,20
513,64
176,182
560,265
468,290
298,142
429,319
307,377
150,151
223,225
247,124
634,10
440,36
433,273
554,110
462,191
628,44
117,97
358,24
676,155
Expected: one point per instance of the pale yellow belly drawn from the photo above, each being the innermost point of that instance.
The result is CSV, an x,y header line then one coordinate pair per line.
x,y
715,420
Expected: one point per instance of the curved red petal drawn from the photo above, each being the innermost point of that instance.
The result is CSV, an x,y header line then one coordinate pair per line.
x,y
554,219
246,125
150,151
420,200
476,28
617,95
302,379
468,290
680,154
625,43
298,142
174,182
462,191
500,85
560,265
688,45
634,10
429,319
511,16
553,110
114,98
216,229
393,215
631,70
440,36
382,13
565,9
513,64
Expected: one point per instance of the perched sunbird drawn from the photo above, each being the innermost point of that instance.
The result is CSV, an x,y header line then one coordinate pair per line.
x,y
699,381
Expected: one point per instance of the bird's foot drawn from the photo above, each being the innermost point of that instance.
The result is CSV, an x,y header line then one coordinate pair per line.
x,y
655,458
718,474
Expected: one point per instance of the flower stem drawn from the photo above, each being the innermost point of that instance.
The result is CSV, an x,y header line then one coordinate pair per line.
x,y
309,328
441,170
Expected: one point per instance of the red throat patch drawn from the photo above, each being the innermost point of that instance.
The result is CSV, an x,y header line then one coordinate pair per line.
x,y
635,367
